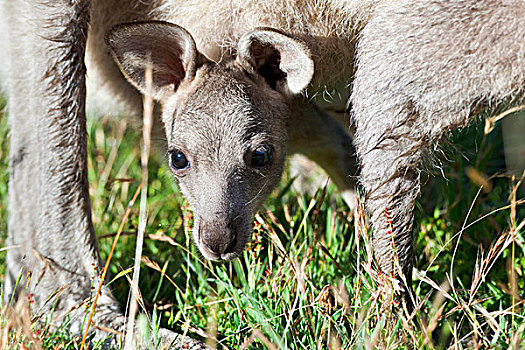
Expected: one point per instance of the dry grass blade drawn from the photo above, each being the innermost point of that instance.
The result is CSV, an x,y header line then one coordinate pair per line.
x,y
517,339
512,277
463,228
153,265
490,122
146,146
257,334
108,260
17,320
479,178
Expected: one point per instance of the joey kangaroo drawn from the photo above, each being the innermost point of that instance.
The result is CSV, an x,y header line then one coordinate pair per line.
x,y
225,139
229,86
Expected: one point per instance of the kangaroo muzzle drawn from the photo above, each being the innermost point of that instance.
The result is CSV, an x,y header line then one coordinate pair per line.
x,y
218,239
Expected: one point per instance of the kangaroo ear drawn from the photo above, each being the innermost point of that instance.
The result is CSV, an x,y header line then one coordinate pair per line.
x,y
170,49
284,62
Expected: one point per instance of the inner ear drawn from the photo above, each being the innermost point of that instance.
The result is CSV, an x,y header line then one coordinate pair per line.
x,y
267,61
168,48
283,61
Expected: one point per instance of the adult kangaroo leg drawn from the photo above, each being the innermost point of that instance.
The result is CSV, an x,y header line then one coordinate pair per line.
x,y
51,239
50,231
425,68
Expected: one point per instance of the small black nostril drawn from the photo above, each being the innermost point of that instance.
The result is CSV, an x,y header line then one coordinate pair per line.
x,y
212,245
231,247
218,240
218,246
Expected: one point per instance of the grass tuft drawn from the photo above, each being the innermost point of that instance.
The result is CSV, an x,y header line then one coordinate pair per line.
x,y
307,280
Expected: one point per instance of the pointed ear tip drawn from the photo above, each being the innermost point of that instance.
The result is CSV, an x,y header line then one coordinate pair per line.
x,y
112,34
296,87
299,64
142,27
108,37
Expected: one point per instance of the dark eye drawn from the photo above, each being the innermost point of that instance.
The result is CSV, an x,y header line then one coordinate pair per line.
x,y
178,160
260,156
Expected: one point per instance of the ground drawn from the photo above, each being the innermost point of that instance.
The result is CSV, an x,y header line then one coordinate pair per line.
x,y
307,281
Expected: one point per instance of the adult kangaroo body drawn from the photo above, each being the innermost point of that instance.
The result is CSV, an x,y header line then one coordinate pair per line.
x,y
408,108
425,68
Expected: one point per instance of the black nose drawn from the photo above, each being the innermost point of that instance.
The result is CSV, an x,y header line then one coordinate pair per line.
x,y
218,239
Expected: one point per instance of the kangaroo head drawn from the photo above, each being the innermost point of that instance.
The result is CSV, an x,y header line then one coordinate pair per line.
x,y
225,122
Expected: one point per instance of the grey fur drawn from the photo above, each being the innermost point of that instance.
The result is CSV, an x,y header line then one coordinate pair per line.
x,y
50,231
424,67
217,114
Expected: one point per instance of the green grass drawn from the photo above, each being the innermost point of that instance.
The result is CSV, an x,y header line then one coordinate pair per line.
x,y
307,281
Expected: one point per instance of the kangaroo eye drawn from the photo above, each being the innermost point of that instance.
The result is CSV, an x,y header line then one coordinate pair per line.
x,y
178,160
260,156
